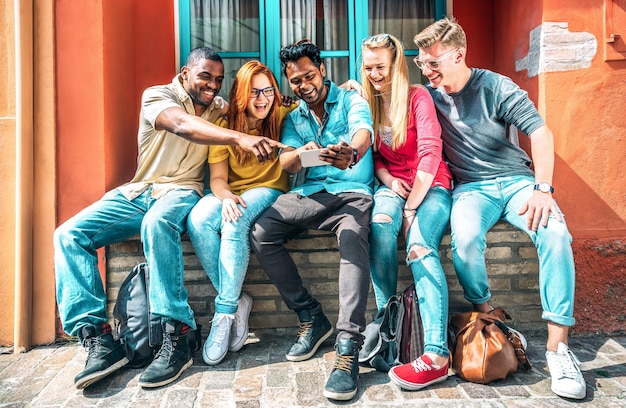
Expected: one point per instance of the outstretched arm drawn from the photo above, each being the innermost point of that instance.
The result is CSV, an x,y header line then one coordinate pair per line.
x,y
198,130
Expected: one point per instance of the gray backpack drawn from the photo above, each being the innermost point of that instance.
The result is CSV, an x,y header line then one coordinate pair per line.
x,y
139,331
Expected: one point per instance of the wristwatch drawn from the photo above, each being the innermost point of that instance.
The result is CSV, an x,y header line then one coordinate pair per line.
x,y
355,158
544,188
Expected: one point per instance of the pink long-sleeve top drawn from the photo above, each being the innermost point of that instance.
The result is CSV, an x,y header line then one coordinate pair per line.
x,y
423,147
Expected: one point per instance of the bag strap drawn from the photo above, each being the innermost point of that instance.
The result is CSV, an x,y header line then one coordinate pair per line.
x,y
483,318
515,340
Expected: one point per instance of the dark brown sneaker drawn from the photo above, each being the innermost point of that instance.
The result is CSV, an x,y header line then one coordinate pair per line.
x,y
314,329
172,359
342,382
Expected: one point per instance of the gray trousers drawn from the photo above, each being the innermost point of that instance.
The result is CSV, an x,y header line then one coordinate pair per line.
x,y
345,214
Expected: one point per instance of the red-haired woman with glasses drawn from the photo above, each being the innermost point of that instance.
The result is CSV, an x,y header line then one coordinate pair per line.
x,y
241,189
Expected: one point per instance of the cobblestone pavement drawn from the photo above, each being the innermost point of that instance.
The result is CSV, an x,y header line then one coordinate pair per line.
x,y
260,376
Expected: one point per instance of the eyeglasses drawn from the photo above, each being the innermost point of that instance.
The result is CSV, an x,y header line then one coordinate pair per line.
x,y
269,91
433,63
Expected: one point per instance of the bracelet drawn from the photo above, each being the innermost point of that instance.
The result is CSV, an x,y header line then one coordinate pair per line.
x,y
409,209
408,216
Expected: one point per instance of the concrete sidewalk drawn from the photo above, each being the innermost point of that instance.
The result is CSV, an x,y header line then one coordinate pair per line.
x,y
260,376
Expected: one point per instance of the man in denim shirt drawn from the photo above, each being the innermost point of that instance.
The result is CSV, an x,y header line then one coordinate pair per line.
x,y
334,197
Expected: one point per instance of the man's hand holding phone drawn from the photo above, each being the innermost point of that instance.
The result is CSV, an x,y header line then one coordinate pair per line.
x,y
339,155
311,158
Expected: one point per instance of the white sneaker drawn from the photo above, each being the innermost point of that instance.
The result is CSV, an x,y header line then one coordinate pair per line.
x,y
239,329
567,380
216,345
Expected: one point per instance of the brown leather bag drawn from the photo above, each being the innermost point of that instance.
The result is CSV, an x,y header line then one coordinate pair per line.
x,y
481,351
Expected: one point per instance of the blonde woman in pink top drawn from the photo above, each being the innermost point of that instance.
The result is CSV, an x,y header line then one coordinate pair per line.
x,y
412,197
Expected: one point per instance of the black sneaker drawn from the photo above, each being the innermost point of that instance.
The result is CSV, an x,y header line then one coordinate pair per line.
x,y
173,357
105,355
341,384
314,329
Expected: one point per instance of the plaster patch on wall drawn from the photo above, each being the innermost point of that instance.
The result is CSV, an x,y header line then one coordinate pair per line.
x,y
554,48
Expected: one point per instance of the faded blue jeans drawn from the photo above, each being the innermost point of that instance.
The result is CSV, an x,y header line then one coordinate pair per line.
x,y
223,248
79,290
431,220
476,208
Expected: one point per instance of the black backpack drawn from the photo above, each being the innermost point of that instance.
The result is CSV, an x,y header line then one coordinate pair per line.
x,y
139,331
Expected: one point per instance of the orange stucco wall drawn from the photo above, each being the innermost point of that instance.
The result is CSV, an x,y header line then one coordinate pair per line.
x,y
107,53
7,172
582,107
585,109
27,139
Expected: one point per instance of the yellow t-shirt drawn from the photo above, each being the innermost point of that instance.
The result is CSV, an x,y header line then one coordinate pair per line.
x,y
252,173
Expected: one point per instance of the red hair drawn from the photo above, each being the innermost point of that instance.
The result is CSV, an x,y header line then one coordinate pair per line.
x,y
239,98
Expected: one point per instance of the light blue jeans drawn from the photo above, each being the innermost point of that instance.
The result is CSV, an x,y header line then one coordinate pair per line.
x,y
80,293
431,220
223,248
476,208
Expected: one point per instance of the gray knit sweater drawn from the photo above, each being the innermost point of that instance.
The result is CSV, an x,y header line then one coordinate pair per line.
x,y
479,127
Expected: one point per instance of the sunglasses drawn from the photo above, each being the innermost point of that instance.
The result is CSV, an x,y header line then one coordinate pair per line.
x,y
433,64
378,38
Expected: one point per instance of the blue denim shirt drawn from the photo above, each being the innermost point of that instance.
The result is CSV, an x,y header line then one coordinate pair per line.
x,y
345,113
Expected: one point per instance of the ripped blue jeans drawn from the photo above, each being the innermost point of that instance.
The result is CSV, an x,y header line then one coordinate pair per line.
x,y
431,220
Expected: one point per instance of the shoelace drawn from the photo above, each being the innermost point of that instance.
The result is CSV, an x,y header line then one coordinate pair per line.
x,y
568,364
92,344
167,348
420,365
304,328
344,363
221,333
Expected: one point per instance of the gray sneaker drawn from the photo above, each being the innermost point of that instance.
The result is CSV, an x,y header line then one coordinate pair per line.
x,y
216,345
567,380
239,328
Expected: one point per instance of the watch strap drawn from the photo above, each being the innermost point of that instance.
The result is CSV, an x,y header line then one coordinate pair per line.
x,y
539,186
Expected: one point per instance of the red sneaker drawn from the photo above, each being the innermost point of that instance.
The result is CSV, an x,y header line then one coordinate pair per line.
x,y
418,374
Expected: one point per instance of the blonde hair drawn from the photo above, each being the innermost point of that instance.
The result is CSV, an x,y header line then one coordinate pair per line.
x,y
399,72
448,32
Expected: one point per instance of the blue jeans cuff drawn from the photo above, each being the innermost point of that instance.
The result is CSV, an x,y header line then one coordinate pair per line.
x,y
558,319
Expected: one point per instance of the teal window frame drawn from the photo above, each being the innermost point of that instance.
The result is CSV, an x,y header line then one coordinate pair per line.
x,y
269,11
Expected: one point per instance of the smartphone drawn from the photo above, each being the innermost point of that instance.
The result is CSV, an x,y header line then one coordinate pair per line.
x,y
310,158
